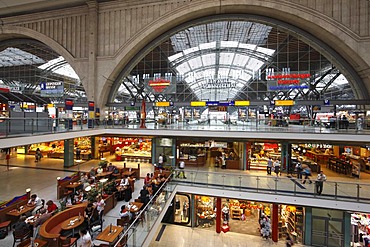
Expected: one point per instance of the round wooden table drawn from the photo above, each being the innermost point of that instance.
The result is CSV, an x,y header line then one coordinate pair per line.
x,y
72,223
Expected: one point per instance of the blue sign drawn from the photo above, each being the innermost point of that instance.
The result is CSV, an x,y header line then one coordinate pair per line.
x,y
52,89
212,103
326,102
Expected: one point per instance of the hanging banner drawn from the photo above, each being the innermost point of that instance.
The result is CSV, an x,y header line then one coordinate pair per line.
x,y
287,81
91,111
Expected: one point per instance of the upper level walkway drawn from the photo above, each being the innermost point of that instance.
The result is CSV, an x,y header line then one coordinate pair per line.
x,y
28,128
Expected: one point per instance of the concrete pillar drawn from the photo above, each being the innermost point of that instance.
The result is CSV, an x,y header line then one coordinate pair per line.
x,y
218,214
286,151
192,210
275,222
347,229
154,152
68,152
308,226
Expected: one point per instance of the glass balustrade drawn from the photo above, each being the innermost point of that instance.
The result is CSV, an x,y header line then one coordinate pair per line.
x,y
34,126
345,191
145,220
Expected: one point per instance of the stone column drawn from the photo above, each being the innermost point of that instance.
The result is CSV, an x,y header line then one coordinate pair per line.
x,y
68,152
92,50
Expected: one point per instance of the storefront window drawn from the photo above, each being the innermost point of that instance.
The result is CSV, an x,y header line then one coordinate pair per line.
x,y
182,209
205,211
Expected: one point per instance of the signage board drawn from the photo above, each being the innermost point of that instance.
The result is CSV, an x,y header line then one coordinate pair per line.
x,y
287,80
52,89
161,85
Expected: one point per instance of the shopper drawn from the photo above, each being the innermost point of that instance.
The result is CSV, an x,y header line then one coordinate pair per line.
x,y
85,239
276,165
299,169
269,166
160,161
38,155
321,177
306,173
100,204
52,207
182,170
265,226
78,153
36,202
225,213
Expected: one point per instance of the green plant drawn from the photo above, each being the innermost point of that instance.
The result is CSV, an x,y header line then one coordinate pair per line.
x,y
110,188
92,194
103,163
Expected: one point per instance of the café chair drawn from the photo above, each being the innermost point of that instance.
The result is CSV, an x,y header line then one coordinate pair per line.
x,y
68,241
20,236
124,221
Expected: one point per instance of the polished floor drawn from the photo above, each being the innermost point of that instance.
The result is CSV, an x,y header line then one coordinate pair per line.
x,y
41,178
181,236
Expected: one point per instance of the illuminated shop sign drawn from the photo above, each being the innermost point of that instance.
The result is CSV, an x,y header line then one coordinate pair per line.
x,y
317,145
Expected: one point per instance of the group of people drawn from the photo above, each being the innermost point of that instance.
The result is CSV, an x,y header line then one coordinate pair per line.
x,y
273,165
304,172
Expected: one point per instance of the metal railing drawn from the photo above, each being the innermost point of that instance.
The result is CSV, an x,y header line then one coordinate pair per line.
x,y
35,126
341,191
136,233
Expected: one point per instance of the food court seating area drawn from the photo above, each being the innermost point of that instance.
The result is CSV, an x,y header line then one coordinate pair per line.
x,y
51,230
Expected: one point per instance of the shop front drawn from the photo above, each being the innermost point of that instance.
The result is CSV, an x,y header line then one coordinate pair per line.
x,y
210,153
360,227
132,149
238,216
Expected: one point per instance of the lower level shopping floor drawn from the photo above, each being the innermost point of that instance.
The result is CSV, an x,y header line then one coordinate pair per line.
x,y
244,225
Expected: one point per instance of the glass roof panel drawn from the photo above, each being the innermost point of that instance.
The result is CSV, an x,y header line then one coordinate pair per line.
x,y
15,57
208,59
226,58
63,69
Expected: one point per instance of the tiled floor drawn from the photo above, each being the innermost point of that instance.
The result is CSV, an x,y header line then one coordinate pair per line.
x,y
41,178
181,236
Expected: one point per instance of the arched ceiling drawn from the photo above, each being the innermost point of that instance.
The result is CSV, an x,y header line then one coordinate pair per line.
x,y
243,51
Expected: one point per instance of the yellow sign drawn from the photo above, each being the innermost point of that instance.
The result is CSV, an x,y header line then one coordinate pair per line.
x,y
198,103
284,102
50,105
242,103
162,104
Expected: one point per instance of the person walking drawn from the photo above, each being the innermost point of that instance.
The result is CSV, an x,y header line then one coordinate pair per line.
x,y
299,169
276,165
269,166
306,173
181,171
160,161
321,177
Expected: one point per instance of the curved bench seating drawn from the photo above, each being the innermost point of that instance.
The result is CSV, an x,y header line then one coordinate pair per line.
x,y
50,229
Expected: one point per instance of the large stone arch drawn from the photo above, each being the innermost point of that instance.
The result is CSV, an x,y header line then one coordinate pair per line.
x,y
13,32
349,47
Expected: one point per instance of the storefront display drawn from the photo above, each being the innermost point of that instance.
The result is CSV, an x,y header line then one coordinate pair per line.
x,y
56,149
132,149
360,228
210,153
205,211
292,222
